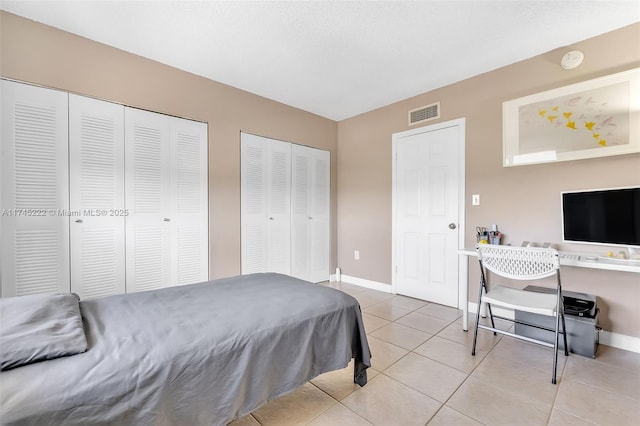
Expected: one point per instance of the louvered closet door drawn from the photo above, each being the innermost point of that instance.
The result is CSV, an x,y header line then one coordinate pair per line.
x,y
34,187
96,172
147,200
253,204
320,211
279,208
310,236
265,205
188,216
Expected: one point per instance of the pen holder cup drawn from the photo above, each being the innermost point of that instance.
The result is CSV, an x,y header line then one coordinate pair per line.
x,y
483,237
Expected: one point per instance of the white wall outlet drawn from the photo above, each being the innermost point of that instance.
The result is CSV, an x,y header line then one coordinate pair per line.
x,y
356,254
475,199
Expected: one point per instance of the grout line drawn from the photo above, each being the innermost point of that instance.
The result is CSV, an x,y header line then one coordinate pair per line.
x,y
326,393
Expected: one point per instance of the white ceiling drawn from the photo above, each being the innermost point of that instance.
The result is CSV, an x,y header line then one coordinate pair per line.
x,y
336,59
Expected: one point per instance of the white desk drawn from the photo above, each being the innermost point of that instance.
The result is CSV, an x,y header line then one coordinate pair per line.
x,y
581,260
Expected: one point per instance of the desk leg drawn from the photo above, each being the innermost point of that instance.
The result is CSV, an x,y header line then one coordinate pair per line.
x,y
464,291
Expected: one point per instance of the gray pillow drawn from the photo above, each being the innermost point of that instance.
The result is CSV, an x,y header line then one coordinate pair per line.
x,y
39,327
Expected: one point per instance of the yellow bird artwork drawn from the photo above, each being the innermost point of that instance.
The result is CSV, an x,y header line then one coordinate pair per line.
x,y
562,115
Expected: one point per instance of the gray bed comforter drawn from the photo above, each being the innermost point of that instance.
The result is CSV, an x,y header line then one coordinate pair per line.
x,y
202,354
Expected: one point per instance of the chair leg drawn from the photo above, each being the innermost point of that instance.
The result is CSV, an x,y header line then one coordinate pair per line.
x,y
555,349
493,324
564,335
475,331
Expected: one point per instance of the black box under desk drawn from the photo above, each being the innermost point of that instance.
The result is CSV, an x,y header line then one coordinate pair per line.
x,y
581,318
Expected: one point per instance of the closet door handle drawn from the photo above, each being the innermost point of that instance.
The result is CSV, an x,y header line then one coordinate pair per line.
x,y
166,219
271,218
78,220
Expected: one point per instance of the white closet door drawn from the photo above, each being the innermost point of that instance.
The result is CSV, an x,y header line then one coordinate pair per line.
x,y
34,190
253,204
279,208
96,191
301,213
188,216
321,217
147,200
265,205
310,237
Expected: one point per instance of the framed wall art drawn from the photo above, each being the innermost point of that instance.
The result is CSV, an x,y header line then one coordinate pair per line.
x,y
594,118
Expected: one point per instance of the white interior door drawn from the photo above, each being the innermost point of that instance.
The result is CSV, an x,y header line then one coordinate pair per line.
x,y
34,190
427,218
96,197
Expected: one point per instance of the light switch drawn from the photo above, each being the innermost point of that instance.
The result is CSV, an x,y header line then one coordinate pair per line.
x,y
475,199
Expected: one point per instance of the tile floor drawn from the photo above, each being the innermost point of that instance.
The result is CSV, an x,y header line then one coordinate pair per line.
x,y
423,373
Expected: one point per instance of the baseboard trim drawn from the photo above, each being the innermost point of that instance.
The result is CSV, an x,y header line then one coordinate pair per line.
x,y
374,285
615,340
620,341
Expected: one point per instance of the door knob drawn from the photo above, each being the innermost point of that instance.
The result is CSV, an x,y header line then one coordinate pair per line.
x,y
166,219
78,220
452,226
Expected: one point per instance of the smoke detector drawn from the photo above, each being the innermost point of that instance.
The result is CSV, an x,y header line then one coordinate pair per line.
x,y
572,59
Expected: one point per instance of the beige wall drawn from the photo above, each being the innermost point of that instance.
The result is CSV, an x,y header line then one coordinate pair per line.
x,y
39,54
524,201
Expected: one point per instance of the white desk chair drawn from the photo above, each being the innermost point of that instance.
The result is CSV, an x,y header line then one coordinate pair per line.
x,y
521,263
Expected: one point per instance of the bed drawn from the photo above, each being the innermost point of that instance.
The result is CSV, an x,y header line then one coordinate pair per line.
x,y
202,354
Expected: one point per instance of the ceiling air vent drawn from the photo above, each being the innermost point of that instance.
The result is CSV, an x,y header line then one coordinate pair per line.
x,y
425,113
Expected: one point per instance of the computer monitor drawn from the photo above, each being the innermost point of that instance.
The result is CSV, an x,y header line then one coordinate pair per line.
x,y
604,216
